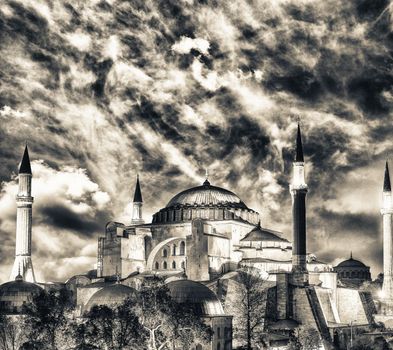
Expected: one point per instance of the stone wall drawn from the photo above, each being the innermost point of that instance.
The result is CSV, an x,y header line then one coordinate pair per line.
x,y
197,265
350,306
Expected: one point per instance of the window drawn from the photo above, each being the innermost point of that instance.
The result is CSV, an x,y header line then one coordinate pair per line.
x,y
174,249
218,346
174,265
164,253
218,332
183,265
157,265
164,265
182,248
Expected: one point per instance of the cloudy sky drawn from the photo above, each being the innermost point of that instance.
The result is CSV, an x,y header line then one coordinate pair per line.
x,y
102,90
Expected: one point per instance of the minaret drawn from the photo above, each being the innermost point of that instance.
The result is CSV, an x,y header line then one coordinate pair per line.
x,y
298,189
23,265
137,205
387,213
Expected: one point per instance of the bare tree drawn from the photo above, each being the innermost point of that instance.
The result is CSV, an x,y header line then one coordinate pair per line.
x,y
248,305
12,333
168,325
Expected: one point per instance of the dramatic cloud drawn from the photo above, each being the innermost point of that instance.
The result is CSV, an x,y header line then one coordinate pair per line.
x,y
103,90
69,212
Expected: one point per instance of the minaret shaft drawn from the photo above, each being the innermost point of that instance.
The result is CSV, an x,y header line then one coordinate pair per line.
x,y
299,250
298,189
387,217
137,217
24,201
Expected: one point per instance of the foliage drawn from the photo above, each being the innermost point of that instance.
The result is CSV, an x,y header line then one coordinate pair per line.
x,y
249,308
153,321
109,328
364,342
304,338
11,332
167,324
46,319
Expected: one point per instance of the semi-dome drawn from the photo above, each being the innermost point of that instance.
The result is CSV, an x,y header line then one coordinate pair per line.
x,y
206,195
16,293
206,202
196,295
111,295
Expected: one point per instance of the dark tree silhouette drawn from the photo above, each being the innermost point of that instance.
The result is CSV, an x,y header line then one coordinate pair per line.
x,y
113,328
46,319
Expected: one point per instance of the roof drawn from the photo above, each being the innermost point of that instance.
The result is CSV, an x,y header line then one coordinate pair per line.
x,y
137,193
206,195
287,324
299,146
351,263
198,296
25,163
263,234
386,180
18,286
111,295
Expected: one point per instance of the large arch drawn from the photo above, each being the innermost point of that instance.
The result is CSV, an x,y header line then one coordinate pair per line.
x,y
157,249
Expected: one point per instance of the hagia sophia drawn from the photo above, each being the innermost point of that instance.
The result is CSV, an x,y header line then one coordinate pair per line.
x,y
198,242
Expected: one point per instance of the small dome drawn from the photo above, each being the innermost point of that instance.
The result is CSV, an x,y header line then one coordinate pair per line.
x,y
16,293
111,295
351,263
206,195
200,297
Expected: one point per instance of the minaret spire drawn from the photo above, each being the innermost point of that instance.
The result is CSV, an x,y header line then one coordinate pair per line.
x,y
23,265
298,189
386,180
299,146
25,167
137,193
137,204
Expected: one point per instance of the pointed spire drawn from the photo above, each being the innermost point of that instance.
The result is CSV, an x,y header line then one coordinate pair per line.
x,y
25,163
19,277
137,193
299,146
386,181
206,183
350,257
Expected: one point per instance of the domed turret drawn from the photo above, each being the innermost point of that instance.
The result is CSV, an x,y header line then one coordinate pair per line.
x,y
16,293
352,271
197,295
111,295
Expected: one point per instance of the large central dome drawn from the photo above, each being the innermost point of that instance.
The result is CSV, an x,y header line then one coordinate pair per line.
x,y
205,202
206,195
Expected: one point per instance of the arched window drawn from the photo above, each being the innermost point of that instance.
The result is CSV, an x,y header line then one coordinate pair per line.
x,y
174,249
174,265
164,265
218,332
164,253
157,265
218,346
182,248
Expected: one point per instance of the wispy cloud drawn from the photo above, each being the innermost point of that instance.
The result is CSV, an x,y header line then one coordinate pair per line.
x,y
105,89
